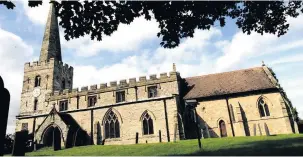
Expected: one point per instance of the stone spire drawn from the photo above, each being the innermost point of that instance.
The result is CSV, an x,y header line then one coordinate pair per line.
x,y
51,41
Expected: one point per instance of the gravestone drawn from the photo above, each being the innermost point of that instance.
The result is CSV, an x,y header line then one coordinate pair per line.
x,y
137,137
160,139
4,103
20,143
175,132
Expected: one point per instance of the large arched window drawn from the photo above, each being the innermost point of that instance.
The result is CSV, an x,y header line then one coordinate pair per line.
x,y
263,108
147,123
111,126
37,81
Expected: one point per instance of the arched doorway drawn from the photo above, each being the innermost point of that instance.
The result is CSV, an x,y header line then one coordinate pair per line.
x,y
222,126
52,137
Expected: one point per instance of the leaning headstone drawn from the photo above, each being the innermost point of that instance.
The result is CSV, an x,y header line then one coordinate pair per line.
x,y
35,145
4,103
175,132
20,143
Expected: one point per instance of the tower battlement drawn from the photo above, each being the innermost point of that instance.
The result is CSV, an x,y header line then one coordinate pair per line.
x,y
38,65
114,85
63,66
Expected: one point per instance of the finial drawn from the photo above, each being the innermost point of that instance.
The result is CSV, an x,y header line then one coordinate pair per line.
x,y
263,64
174,67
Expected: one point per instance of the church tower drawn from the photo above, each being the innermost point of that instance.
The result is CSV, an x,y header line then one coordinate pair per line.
x,y
46,75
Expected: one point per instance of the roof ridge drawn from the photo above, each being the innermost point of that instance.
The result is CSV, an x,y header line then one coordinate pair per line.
x,y
224,72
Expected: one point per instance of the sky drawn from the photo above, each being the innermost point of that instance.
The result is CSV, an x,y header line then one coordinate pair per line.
x,y
134,50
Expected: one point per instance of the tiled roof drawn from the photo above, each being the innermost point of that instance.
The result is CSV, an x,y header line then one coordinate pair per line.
x,y
232,82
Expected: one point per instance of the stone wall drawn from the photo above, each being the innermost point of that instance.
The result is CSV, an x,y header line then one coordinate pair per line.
x,y
135,104
245,109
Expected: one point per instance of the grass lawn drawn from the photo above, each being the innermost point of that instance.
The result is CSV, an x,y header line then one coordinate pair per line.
x,y
258,145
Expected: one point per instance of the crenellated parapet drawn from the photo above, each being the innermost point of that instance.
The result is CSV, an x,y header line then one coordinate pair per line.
x,y
63,66
39,65
114,85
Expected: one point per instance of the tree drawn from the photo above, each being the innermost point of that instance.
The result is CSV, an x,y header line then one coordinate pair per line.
x,y
8,144
177,19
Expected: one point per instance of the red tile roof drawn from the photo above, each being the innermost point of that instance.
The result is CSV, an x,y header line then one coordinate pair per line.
x,y
228,83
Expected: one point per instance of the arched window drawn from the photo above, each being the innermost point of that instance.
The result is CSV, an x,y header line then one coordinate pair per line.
x,y
37,81
222,126
112,126
148,126
63,84
69,84
263,108
35,104
232,113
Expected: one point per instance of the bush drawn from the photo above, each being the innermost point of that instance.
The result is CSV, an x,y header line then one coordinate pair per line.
x,y
8,143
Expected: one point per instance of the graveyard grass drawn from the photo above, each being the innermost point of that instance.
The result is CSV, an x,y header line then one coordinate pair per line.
x,y
257,145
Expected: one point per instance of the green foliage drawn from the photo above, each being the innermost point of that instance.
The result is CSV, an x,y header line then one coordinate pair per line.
x,y
177,19
258,145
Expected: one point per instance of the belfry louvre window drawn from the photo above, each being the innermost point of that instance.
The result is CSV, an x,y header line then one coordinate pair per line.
x,y
263,108
63,84
24,126
152,91
120,96
63,105
148,127
92,100
37,81
112,126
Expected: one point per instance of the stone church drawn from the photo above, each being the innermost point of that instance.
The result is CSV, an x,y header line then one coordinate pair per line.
x,y
247,102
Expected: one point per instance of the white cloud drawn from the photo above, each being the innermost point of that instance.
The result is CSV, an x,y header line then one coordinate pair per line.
x,y
152,62
126,38
14,52
37,14
243,47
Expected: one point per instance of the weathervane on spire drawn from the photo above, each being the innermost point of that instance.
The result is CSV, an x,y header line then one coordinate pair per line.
x,y
174,67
